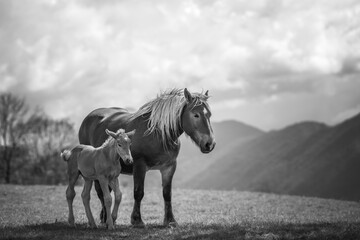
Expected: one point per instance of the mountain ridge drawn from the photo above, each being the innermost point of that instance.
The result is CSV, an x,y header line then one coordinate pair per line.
x,y
291,161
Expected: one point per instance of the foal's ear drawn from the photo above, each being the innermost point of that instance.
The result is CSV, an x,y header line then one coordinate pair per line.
x,y
207,93
131,134
110,133
188,96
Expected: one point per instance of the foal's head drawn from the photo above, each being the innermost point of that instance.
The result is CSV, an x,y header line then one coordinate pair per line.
x,y
123,142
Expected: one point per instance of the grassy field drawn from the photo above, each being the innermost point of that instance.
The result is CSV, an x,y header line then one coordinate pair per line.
x,y
40,212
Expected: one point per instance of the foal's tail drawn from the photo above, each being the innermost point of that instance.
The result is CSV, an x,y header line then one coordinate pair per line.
x,y
65,155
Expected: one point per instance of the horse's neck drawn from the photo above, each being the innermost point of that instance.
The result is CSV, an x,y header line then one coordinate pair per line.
x,y
145,123
175,135
180,131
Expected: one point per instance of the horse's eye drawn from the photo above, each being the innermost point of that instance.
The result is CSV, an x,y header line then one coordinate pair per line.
x,y
119,145
197,115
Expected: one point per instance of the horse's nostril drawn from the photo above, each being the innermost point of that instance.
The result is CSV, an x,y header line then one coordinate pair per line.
x,y
208,145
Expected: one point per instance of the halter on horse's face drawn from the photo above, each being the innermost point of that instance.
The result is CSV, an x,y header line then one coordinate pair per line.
x,y
123,142
196,122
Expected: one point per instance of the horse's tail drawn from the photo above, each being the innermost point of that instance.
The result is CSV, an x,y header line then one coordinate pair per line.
x,y
65,155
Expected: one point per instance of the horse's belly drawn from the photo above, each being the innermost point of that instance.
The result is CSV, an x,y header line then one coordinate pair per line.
x,y
160,163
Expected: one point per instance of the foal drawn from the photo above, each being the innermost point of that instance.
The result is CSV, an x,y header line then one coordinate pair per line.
x,y
102,164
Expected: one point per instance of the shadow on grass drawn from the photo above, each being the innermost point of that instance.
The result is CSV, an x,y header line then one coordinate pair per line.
x,y
262,230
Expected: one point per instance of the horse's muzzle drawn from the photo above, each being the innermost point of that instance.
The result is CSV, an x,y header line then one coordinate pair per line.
x,y
128,160
208,146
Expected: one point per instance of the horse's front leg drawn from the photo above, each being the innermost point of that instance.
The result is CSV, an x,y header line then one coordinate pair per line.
x,y
104,184
139,171
167,174
114,184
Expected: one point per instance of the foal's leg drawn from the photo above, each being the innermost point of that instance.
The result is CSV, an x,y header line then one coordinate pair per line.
x,y
86,201
70,191
104,184
100,194
139,172
114,184
166,177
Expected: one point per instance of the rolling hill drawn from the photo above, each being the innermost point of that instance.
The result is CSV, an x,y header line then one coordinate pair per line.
x,y
307,158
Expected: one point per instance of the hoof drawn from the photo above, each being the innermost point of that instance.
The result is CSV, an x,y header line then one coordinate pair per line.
x,y
71,223
93,226
138,224
171,224
111,227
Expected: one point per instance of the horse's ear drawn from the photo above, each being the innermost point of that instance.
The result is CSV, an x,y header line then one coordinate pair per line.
x,y
110,133
188,96
131,134
207,93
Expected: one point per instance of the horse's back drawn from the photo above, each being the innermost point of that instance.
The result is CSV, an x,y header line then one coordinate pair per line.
x,y
92,129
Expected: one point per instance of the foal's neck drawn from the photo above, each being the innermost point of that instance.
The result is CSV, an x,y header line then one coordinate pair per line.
x,y
109,149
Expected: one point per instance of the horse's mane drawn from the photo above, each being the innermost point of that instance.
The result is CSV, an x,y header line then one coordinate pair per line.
x,y
110,140
165,114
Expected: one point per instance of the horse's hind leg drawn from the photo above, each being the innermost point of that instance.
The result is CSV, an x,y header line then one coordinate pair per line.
x,y
85,195
114,184
70,193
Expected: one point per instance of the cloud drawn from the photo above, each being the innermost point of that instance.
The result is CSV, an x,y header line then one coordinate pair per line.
x,y
71,57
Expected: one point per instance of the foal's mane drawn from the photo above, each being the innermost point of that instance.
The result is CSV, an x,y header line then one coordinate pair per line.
x,y
110,140
165,114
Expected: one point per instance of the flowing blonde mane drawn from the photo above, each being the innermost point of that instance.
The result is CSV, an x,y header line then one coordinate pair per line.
x,y
165,114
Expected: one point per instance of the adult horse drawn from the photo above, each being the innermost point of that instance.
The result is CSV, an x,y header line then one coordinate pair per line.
x,y
155,144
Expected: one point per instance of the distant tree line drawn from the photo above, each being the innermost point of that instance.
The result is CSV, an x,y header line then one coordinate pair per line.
x,y
30,143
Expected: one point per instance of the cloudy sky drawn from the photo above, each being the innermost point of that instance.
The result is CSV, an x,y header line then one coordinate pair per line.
x,y
266,63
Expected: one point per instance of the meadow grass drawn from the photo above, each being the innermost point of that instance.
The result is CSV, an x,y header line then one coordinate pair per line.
x,y
40,212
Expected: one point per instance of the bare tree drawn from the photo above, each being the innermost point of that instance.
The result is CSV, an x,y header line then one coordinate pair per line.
x,y
45,141
15,116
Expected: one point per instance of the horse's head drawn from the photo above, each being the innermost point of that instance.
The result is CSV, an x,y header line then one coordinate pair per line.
x,y
195,121
123,142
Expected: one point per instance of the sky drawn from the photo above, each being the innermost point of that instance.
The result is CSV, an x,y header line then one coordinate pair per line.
x,y
266,63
